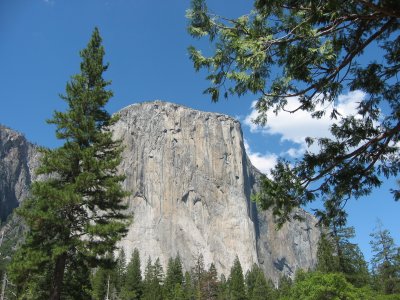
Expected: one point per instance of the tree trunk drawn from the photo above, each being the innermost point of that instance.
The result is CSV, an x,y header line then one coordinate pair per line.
x,y
3,287
58,277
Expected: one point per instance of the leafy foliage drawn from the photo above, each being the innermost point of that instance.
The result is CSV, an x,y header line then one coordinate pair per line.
x,y
313,51
316,285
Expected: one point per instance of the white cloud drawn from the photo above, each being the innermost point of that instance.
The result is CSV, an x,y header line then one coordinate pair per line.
x,y
263,162
50,2
296,152
295,127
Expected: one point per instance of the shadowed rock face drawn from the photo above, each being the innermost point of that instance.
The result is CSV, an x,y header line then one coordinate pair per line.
x,y
191,183
292,247
18,159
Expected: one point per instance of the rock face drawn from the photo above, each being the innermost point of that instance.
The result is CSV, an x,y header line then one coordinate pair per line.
x,y
18,159
191,183
293,247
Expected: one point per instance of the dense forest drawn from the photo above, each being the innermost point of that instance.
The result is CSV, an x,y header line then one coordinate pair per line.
x,y
341,273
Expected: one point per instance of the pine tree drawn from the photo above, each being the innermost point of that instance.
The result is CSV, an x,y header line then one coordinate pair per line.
x,y
148,272
178,270
158,272
178,293
209,284
133,287
355,267
153,279
223,289
257,285
77,282
169,285
99,284
284,286
105,280
173,278
148,278
237,290
188,288
336,252
81,196
385,261
327,260
197,274
119,274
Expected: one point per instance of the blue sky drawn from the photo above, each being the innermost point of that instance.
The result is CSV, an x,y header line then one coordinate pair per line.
x,y
146,44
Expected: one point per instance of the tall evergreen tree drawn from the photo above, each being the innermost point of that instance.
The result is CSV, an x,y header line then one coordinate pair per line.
x,y
77,282
76,211
198,273
148,271
209,285
237,290
385,261
148,278
188,288
153,279
119,274
258,288
158,272
133,287
327,259
284,286
107,279
173,278
223,289
355,267
99,283
179,293
336,252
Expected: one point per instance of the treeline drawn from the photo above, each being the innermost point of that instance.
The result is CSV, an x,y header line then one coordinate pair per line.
x,y
126,281
341,273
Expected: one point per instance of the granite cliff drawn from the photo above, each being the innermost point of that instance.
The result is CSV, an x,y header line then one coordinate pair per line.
x,y
190,182
18,159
